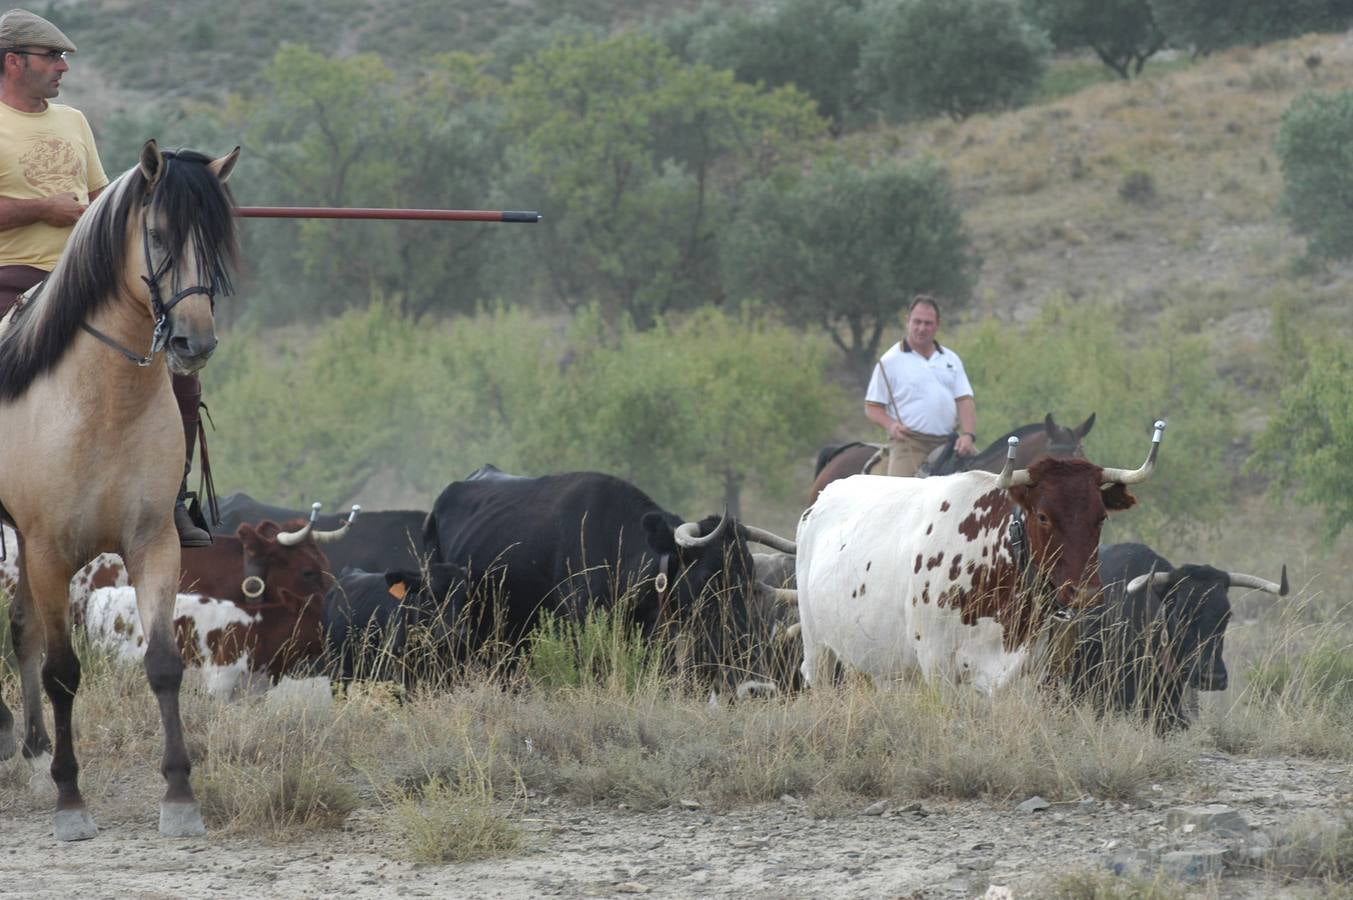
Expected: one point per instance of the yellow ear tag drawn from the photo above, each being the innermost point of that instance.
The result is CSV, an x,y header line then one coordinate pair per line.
x,y
398,590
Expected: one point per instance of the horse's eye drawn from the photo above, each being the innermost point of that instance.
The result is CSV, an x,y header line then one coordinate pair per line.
x,y
155,240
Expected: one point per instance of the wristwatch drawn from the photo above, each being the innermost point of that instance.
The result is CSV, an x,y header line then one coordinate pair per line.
x,y
969,434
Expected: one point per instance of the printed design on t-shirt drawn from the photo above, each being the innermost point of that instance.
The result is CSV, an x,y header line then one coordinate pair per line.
x,y
52,165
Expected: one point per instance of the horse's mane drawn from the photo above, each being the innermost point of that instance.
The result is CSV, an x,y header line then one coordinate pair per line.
x,y
1021,432
193,206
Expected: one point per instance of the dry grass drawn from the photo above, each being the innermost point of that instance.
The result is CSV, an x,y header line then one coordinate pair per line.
x,y
1103,886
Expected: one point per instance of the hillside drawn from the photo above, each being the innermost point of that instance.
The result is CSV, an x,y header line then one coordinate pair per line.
x,y
1159,195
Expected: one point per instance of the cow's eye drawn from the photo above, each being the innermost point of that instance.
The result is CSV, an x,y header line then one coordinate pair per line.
x,y
1043,519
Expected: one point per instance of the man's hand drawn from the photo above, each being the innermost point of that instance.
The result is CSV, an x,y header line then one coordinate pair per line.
x,y
896,430
63,209
964,446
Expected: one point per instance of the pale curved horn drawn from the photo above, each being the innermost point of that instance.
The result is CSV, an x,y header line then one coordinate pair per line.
x,y
1252,581
327,537
1136,476
292,538
1010,476
1157,579
787,596
687,533
774,541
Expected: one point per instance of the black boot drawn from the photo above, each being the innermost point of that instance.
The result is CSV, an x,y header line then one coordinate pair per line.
x,y
189,534
188,392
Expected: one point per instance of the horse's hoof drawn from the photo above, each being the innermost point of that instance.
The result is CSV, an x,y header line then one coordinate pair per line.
x,y
181,820
73,825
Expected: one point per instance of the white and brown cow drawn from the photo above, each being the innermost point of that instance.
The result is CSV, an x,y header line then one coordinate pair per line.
x,y
240,649
953,577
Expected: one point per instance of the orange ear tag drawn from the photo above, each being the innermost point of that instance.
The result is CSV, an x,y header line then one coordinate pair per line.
x,y
398,590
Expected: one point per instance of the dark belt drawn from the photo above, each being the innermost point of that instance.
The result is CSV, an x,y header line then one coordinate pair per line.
x,y
14,280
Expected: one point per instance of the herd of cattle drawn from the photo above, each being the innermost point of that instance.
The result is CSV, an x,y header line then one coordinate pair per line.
x,y
975,577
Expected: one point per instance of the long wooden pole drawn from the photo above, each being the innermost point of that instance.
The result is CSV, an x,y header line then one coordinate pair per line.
x,y
331,212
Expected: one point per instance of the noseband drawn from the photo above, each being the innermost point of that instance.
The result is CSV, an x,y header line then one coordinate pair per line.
x,y
163,327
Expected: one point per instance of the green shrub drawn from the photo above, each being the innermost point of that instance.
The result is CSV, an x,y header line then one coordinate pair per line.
x,y
1137,186
955,57
601,651
1315,146
452,823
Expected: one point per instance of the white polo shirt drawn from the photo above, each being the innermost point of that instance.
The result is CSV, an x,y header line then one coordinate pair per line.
x,y
923,390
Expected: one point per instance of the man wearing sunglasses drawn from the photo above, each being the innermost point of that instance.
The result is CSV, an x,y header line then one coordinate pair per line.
x,y
49,174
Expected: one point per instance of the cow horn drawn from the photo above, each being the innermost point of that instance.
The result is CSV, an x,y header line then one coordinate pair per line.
x,y
1259,584
1010,476
687,533
292,538
774,541
1157,579
1136,476
326,537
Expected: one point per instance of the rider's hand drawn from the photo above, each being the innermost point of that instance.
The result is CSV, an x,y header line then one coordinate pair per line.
x,y
896,430
63,209
964,446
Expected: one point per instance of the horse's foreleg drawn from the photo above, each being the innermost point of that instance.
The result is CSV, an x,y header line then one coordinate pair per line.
x,y
8,745
45,606
27,633
155,573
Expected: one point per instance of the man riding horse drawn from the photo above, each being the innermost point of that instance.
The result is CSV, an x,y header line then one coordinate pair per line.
x,y
49,174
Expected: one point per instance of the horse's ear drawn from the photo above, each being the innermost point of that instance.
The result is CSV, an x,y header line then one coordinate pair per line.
x,y
222,167
1049,425
151,162
1084,428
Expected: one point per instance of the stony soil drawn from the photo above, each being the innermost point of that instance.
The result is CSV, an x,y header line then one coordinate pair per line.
x,y
931,849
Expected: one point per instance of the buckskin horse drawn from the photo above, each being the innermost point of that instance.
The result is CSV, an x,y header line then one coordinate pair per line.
x,y
91,443
1036,439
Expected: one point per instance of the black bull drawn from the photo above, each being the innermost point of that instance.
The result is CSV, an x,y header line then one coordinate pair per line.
x,y
584,541
377,541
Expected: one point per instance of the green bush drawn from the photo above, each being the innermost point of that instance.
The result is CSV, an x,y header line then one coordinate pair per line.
x,y
956,57
1315,146
1210,25
603,652
864,241
1308,444
1122,33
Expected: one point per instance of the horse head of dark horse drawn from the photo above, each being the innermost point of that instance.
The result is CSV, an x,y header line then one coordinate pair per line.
x,y
1036,439
1045,438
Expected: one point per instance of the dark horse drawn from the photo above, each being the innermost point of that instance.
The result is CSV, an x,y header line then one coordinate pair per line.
x,y
1035,439
91,444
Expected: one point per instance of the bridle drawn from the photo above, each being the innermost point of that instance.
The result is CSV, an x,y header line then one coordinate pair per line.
x,y
163,327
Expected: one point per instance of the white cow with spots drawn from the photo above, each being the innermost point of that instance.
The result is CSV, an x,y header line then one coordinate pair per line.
x,y
210,636
907,575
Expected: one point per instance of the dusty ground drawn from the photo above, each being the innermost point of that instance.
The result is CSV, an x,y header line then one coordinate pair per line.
x,y
926,850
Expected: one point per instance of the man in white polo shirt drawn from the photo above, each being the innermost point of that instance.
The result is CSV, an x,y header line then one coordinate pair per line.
x,y
919,393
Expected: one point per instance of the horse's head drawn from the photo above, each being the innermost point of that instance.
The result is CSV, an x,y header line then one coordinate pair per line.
x,y
181,246
1064,441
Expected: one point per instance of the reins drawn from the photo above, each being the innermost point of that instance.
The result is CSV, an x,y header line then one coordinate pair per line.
x,y
163,328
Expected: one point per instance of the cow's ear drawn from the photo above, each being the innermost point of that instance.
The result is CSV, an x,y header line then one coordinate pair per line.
x,y
1020,494
660,535
1116,497
248,535
394,577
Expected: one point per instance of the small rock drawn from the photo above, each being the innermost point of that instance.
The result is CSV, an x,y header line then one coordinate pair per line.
x,y
692,804
632,887
1132,863
1033,805
1213,818
1195,864
875,809
1089,804
790,799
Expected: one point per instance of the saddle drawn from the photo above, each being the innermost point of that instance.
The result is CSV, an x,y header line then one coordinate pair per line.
x,y
941,461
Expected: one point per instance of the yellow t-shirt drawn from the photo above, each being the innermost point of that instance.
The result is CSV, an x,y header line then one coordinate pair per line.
x,y
41,154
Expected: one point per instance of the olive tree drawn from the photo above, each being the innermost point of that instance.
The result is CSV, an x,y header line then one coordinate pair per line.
x,y
1315,146
951,57
1122,33
845,249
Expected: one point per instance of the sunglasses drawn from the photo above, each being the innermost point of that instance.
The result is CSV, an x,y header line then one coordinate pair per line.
x,y
49,55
